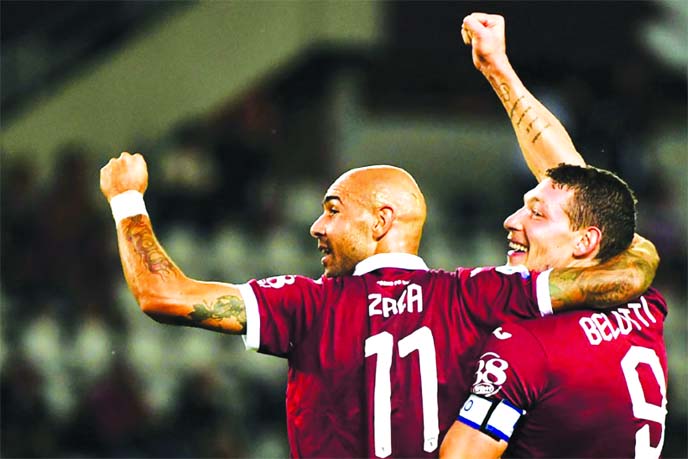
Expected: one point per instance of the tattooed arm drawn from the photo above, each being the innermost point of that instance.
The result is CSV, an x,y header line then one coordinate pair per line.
x,y
159,286
616,281
542,138
546,144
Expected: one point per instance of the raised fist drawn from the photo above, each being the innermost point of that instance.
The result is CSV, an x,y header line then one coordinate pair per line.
x,y
128,172
485,33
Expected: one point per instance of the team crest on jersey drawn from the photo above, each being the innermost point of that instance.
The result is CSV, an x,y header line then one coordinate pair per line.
x,y
277,281
491,374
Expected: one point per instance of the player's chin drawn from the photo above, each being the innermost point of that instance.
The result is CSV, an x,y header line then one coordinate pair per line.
x,y
514,258
338,269
331,270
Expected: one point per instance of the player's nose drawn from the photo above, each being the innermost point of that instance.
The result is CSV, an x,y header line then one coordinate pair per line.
x,y
317,228
513,221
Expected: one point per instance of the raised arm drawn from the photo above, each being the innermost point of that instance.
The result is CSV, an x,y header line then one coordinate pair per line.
x,y
542,138
545,144
159,286
616,281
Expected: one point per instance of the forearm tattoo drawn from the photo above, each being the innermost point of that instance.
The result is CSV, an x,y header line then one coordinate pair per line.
x,y
224,307
140,235
519,110
570,287
612,283
146,254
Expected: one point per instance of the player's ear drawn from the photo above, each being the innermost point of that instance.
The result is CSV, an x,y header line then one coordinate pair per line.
x,y
588,242
383,222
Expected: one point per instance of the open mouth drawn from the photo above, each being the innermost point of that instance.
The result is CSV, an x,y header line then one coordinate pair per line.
x,y
326,254
517,248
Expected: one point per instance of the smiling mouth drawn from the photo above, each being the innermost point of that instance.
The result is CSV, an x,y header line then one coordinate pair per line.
x,y
326,253
517,248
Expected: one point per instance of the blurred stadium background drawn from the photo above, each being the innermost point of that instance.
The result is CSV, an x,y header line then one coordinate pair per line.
x,y
246,111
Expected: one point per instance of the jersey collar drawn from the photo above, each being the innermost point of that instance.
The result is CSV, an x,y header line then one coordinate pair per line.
x,y
390,260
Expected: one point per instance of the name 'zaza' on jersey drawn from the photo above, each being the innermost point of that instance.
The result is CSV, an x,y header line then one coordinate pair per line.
x,y
379,361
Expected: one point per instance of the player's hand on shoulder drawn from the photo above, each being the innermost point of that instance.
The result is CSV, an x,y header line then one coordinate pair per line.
x,y
125,173
485,33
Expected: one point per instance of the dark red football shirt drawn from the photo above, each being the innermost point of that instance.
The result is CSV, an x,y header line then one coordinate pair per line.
x,y
593,383
379,361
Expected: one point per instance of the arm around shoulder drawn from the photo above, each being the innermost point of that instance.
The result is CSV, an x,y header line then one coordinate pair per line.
x,y
616,281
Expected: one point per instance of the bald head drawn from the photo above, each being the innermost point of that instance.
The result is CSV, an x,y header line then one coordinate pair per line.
x,y
388,187
366,211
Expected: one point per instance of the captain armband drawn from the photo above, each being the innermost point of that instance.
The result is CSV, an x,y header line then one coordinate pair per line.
x,y
495,418
127,204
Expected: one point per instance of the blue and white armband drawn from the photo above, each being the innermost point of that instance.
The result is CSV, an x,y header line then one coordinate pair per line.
x,y
496,418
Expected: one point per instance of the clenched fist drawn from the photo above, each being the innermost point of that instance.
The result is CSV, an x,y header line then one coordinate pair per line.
x,y
128,172
485,33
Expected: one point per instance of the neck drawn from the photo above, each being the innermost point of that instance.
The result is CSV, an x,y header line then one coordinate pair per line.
x,y
582,263
397,245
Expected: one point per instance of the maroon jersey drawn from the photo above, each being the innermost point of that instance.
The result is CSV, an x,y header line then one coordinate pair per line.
x,y
592,383
378,361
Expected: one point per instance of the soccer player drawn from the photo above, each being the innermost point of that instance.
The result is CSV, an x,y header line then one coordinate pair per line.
x,y
578,384
380,348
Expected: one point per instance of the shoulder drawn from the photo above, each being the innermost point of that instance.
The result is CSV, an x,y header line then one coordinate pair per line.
x,y
653,297
291,287
485,272
541,336
515,334
512,359
288,281
513,337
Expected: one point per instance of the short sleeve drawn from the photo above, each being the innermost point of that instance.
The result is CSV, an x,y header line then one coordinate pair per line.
x,y
279,311
492,295
513,366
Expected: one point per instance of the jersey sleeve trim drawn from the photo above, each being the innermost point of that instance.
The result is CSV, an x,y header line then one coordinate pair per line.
x,y
544,296
252,336
496,418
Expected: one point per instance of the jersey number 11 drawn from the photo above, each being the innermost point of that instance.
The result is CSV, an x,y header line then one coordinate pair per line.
x,y
382,345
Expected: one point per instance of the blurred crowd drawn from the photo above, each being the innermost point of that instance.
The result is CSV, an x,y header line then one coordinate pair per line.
x,y
86,374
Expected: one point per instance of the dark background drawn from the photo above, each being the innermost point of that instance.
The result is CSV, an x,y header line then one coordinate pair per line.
x,y
234,189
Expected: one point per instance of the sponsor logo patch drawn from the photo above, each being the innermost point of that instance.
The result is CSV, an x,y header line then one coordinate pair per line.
x,y
485,389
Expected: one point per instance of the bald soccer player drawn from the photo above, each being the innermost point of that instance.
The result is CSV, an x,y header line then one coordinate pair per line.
x,y
377,345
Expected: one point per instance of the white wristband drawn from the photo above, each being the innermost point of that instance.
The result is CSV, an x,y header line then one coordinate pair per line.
x,y
127,204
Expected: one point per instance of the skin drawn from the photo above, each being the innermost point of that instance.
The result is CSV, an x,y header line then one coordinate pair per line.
x,y
539,233
370,210
376,209
366,211
543,140
380,209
